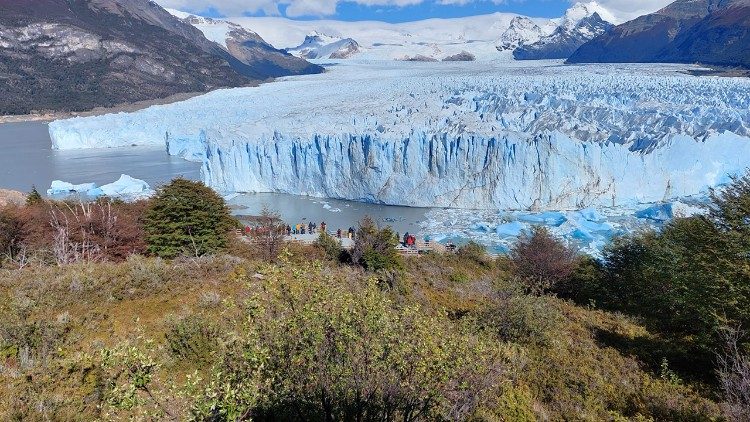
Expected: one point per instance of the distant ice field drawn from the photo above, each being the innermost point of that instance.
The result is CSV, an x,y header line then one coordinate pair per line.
x,y
533,136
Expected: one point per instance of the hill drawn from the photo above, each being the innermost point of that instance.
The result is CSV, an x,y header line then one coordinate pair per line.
x,y
74,55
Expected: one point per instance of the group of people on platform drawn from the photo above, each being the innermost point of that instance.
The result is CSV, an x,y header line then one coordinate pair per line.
x,y
302,228
307,229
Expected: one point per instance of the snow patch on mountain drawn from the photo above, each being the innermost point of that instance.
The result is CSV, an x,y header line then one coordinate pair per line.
x,y
522,31
322,46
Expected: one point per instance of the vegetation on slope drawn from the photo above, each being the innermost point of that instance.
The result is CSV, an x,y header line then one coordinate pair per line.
x,y
316,333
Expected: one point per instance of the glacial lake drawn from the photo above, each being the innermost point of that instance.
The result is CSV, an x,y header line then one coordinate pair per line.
x,y
28,159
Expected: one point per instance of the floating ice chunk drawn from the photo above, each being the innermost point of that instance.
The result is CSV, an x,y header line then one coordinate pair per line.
x,y
125,187
590,214
659,212
482,227
59,187
582,235
551,218
513,229
595,227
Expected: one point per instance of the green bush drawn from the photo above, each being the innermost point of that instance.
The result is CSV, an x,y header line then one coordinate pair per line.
x,y
374,248
187,218
475,252
330,246
347,352
193,339
687,281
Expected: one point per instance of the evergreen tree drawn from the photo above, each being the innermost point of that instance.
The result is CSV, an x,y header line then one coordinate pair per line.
x,y
34,197
187,217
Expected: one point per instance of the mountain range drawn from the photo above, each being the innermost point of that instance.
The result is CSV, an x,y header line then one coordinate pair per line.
x,y
73,55
712,32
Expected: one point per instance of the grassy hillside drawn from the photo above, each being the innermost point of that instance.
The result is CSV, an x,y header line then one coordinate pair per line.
x,y
235,337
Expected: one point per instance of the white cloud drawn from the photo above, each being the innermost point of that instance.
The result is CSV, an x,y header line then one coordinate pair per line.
x,y
226,7
626,10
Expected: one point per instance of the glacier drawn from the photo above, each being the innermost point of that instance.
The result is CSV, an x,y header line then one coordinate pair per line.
x,y
537,136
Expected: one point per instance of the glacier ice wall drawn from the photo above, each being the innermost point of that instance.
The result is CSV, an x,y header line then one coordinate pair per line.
x,y
471,135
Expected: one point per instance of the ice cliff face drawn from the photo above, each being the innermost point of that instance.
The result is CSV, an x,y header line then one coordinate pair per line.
x,y
470,135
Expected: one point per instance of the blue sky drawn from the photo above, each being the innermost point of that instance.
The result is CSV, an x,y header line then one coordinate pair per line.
x,y
399,10
355,12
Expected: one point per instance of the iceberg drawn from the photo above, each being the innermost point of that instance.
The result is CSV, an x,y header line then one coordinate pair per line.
x,y
126,188
550,218
513,229
482,135
58,187
659,212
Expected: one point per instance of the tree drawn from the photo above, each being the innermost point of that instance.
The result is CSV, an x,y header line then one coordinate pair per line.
x,y
541,261
268,234
34,197
187,217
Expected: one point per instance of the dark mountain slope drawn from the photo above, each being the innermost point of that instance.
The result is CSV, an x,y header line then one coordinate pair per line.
x,y
72,55
686,31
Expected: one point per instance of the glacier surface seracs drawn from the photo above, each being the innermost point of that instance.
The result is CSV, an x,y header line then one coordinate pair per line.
x,y
515,136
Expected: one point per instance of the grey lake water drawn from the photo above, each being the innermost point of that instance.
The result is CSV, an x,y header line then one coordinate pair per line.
x,y
27,159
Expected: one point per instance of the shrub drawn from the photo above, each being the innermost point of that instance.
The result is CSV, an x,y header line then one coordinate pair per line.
x,y
374,248
541,261
347,352
734,376
11,233
330,246
193,339
475,252
34,197
188,218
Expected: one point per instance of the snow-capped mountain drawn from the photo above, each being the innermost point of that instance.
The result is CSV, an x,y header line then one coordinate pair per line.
x,y
522,31
247,46
322,46
480,36
582,23
434,39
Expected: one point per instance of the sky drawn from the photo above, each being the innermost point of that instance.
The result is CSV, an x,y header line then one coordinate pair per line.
x,y
400,10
